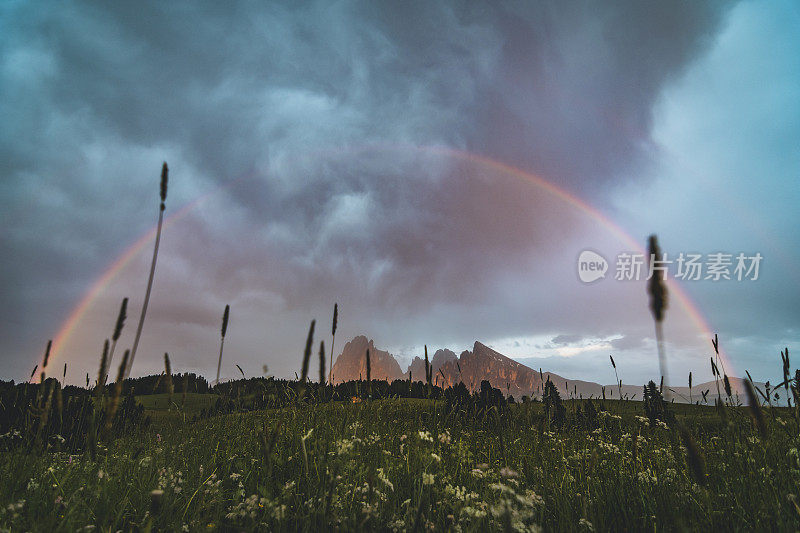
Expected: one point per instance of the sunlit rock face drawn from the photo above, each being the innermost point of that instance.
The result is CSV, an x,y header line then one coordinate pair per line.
x,y
483,363
440,358
471,367
351,364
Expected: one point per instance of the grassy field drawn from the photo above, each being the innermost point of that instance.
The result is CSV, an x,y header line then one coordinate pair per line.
x,y
159,404
400,465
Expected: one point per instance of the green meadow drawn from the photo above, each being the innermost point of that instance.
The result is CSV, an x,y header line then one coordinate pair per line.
x,y
400,464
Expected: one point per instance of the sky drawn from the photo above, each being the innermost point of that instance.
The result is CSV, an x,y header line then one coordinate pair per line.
x,y
436,168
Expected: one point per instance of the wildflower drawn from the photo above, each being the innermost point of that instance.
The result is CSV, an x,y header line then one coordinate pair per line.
x,y
508,472
585,525
436,458
427,479
478,473
384,479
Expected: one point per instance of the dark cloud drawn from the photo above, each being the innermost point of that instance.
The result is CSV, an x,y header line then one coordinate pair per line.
x,y
315,111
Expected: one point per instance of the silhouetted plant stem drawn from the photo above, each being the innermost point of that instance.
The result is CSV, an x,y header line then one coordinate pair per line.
x,y
657,289
333,339
123,313
224,330
164,178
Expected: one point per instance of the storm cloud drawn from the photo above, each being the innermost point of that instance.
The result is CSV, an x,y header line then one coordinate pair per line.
x,y
334,134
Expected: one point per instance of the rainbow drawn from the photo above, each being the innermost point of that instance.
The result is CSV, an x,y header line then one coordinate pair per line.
x,y
72,322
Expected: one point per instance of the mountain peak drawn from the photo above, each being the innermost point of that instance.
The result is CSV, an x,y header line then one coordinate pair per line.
x,y
351,364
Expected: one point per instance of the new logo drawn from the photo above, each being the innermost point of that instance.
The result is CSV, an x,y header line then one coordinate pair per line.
x,y
591,266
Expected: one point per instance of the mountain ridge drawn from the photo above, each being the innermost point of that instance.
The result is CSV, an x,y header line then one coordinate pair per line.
x,y
510,376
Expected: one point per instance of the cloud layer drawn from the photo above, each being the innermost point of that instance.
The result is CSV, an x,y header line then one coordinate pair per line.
x,y
319,122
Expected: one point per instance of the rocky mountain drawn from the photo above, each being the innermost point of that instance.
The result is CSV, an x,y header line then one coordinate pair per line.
x,y
483,363
417,366
506,374
351,364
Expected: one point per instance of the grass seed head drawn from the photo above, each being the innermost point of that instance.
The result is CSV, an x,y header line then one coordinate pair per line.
x,y
694,456
101,377
322,362
656,286
47,354
164,180
307,352
755,408
225,316
155,500
369,368
168,373
123,314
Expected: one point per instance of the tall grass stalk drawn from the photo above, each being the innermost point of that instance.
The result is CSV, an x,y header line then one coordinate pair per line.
x,y
755,407
657,290
619,383
113,404
333,338
322,362
170,385
162,206
44,360
118,325
223,331
307,352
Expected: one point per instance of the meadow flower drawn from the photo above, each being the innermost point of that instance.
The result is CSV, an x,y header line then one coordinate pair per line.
x,y
427,479
508,472
478,473
647,477
384,479
473,512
